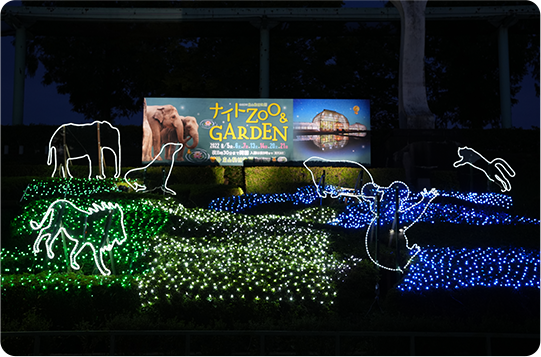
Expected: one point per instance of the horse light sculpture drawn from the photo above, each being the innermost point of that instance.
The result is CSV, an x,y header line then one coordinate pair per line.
x,y
51,226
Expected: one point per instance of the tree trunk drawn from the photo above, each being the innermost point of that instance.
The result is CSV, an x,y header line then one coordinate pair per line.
x,y
413,106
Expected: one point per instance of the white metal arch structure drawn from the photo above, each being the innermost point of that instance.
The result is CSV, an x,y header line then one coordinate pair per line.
x,y
20,18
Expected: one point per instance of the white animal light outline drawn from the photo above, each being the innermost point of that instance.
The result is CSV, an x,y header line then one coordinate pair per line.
x,y
52,152
138,188
345,194
98,258
433,193
500,164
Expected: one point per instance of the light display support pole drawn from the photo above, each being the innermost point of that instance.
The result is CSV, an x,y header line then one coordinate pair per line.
x,y
106,240
321,186
164,178
145,177
65,152
376,228
100,170
397,225
64,245
359,181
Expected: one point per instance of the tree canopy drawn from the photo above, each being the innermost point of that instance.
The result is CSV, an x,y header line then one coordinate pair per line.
x,y
108,71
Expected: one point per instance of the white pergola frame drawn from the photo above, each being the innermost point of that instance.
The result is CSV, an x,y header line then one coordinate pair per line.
x,y
21,18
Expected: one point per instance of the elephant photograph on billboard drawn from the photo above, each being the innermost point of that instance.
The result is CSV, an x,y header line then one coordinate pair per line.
x,y
162,124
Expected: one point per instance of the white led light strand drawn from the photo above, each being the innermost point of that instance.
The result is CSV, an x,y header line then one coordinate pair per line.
x,y
138,188
52,151
49,232
469,156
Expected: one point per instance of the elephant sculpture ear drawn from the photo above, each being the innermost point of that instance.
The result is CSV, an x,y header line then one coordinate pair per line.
x,y
403,190
158,115
369,191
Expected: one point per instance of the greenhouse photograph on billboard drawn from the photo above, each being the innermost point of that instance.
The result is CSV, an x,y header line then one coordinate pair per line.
x,y
232,131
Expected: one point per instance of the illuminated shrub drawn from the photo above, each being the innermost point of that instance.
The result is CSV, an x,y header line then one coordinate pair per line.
x,y
218,256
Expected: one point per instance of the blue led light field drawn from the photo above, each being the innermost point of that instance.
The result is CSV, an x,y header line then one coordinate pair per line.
x,y
433,268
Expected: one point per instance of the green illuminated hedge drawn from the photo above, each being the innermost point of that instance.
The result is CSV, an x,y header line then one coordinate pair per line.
x,y
274,179
177,257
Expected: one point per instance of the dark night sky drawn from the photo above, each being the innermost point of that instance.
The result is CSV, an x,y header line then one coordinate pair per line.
x,y
43,105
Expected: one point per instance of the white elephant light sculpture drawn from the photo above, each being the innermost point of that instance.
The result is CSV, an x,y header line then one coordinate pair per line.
x,y
371,193
58,143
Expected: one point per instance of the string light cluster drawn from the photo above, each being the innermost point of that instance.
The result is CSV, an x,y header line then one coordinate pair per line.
x,y
68,187
492,199
303,196
359,215
224,256
450,268
216,254
64,282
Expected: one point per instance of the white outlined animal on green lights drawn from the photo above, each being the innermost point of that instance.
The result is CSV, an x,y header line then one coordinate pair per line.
x,y
142,188
51,226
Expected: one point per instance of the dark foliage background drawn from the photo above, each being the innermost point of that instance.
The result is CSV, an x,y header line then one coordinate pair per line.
x,y
107,69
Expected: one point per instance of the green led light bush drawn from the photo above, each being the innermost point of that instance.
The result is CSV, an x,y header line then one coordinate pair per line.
x,y
55,187
61,299
141,219
185,262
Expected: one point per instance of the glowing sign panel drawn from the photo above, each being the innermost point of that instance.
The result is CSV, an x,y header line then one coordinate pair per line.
x,y
231,131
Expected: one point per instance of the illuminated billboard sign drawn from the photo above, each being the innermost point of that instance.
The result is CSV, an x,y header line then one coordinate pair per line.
x,y
230,131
